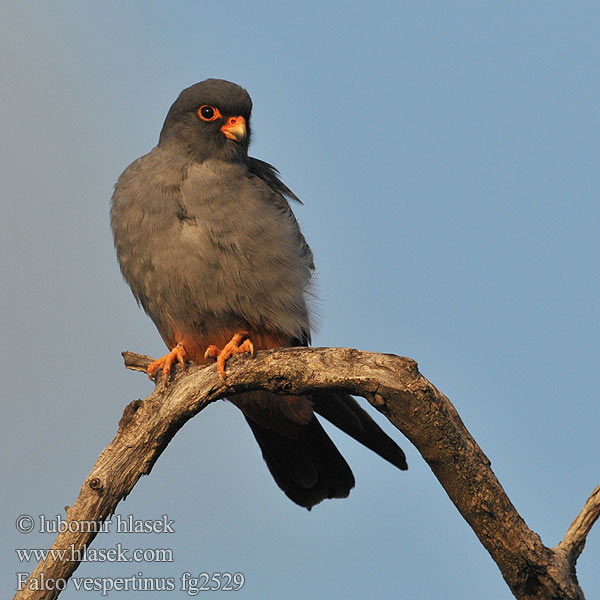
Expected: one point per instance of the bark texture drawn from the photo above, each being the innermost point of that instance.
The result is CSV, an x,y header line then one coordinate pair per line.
x,y
394,386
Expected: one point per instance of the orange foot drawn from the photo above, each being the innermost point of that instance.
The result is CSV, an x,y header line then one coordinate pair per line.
x,y
230,349
178,354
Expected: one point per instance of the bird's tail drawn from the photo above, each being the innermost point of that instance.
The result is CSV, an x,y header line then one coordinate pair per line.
x,y
343,411
301,457
307,467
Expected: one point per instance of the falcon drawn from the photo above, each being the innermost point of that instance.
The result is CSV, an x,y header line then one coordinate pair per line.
x,y
209,245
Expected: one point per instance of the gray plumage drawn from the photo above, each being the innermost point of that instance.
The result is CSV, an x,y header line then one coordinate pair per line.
x,y
210,247
190,227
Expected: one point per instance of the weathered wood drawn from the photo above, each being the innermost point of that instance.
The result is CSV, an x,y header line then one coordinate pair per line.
x,y
395,387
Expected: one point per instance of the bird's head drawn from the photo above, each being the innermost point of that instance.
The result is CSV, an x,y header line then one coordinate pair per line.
x,y
210,119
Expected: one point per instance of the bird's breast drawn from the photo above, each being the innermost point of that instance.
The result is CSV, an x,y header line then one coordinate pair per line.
x,y
210,248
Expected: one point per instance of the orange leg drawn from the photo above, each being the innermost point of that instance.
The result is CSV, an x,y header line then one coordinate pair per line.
x,y
233,347
178,354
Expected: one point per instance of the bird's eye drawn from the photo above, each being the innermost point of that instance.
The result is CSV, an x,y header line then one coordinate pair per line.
x,y
208,113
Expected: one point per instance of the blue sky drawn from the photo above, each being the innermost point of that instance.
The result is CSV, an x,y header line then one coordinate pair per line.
x,y
447,157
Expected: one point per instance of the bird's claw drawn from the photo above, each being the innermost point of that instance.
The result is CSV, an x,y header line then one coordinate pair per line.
x,y
166,362
233,347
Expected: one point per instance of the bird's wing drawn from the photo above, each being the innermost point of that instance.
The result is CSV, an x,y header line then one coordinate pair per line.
x,y
270,175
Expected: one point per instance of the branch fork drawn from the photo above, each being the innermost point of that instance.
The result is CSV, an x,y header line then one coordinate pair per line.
x,y
394,386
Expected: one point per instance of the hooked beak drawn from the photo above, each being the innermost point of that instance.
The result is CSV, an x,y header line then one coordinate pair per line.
x,y
235,129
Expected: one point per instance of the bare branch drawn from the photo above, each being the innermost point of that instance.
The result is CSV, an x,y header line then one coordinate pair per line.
x,y
574,539
136,362
396,388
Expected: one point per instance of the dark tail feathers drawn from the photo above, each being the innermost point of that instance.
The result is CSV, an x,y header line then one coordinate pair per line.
x,y
307,466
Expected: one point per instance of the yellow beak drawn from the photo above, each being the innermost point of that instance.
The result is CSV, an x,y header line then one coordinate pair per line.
x,y
235,129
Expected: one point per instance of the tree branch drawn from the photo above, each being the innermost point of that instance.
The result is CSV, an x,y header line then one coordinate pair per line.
x,y
391,384
574,539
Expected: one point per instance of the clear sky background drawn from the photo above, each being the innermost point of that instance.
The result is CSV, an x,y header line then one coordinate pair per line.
x,y
447,156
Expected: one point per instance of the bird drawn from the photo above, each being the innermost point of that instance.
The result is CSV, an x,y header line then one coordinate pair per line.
x,y
208,243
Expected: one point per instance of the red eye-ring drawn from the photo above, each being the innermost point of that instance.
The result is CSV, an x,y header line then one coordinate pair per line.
x,y
208,113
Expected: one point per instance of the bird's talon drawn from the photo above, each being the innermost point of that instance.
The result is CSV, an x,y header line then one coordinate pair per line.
x,y
165,363
211,352
230,349
247,346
